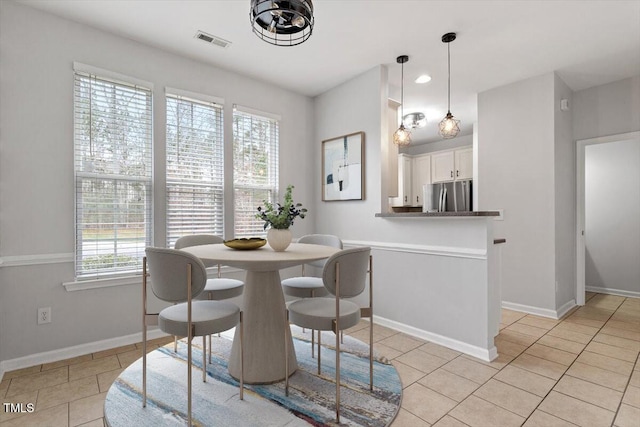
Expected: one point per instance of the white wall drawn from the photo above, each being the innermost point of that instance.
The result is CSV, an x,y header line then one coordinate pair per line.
x,y
37,51
516,152
612,216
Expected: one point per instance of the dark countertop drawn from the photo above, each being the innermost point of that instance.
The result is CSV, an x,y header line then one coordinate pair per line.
x,y
436,214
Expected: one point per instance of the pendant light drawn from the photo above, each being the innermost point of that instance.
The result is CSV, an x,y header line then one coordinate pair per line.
x,y
282,22
449,126
402,137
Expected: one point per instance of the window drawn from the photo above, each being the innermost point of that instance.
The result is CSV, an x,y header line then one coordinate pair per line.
x,y
195,173
113,173
255,169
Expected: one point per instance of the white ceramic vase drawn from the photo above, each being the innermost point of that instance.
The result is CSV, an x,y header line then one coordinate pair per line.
x,y
279,239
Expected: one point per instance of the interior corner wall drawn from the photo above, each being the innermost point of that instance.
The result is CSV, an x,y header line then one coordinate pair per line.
x,y
516,152
565,197
36,168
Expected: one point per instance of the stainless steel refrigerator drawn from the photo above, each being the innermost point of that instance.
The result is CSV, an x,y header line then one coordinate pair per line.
x,y
454,196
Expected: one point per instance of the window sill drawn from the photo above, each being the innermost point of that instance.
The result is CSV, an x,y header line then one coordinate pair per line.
x,y
83,285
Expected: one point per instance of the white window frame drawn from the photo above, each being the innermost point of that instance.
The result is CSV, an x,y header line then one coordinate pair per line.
x,y
269,184
189,218
85,171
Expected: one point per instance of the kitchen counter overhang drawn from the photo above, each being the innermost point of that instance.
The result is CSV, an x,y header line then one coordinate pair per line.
x,y
437,214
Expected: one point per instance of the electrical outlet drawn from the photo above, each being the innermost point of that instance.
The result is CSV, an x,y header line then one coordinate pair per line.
x,y
44,315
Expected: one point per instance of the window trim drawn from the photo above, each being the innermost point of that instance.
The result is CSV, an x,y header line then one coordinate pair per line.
x,y
88,71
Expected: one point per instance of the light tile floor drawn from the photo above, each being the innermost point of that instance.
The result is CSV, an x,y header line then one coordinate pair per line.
x,y
581,370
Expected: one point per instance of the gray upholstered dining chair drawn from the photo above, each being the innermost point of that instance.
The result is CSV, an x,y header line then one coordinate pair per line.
x,y
344,276
179,277
310,286
218,288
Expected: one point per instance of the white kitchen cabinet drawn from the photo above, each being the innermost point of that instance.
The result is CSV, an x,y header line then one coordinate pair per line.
x,y
463,163
405,179
452,165
442,166
421,173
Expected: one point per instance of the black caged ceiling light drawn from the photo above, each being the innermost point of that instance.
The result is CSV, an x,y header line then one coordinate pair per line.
x,y
282,22
449,126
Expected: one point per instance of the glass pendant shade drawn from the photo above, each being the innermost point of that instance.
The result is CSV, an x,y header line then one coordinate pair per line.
x,y
402,137
449,126
282,22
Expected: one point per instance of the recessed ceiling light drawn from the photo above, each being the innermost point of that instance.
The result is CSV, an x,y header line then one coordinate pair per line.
x,y
423,79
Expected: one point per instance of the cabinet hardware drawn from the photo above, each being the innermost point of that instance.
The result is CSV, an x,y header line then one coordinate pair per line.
x,y
417,199
405,199
457,173
451,174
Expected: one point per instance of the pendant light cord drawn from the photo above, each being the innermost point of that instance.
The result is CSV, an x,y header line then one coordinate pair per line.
x,y
402,93
449,77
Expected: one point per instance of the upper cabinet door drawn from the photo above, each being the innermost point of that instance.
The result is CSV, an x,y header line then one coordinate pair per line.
x,y
421,176
464,164
442,167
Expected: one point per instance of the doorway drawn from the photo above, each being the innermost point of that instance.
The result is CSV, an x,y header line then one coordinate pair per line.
x,y
581,220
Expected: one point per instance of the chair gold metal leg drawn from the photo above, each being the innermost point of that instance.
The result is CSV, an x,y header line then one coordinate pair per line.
x,y
175,344
371,322
337,371
313,339
241,357
319,342
337,332
189,337
144,332
210,348
341,337
286,355
204,359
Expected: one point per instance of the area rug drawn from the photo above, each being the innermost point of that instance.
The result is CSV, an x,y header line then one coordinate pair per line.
x,y
311,399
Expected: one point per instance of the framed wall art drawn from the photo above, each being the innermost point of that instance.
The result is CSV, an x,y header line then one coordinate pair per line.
x,y
343,167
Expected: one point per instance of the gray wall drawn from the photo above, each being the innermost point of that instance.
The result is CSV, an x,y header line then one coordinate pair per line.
x,y
36,168
565,195
516,168
612,216
608,109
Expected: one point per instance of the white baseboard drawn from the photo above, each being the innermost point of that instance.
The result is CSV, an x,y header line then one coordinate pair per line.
x,y
472,350
565,308
74,351
543,312
609,291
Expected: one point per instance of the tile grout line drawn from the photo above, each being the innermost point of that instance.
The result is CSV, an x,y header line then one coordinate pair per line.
x,y
569,367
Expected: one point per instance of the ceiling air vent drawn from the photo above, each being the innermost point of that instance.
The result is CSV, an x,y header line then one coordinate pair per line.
x,y
212,39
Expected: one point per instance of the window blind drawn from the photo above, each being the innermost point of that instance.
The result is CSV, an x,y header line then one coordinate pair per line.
x,y
195,171
255,169
113,173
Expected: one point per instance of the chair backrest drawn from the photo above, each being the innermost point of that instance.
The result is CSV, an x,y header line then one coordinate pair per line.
x,y
321,239
168,270
197,240
354,265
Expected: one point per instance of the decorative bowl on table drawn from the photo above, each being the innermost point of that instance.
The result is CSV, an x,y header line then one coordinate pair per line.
x,y
246,244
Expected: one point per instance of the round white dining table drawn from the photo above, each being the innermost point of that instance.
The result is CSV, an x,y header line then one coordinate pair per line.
x,y
263,306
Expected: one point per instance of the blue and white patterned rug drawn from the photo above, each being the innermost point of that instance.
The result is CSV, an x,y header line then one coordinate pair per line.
x,y
311,397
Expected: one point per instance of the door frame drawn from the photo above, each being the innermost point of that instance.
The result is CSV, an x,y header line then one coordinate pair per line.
x,y
580,208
